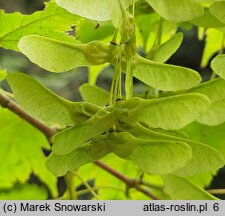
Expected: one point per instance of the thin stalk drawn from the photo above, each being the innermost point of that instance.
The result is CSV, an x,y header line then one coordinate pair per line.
x,y
213,75
85,191
149,184
120,85
216,191
122,8
70,186
158,37
111,92
116,82
119,77
129,79
133,8
112,88
8,94
157,42
89,188
116,87
146,192
159,34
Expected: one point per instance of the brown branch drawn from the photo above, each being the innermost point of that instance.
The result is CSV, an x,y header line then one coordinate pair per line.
x,y
7,102
131,183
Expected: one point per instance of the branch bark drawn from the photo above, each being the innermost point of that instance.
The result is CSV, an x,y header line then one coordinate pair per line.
x,y
131,183
8,103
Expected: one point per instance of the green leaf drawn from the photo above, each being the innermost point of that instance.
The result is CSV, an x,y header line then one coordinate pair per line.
x,y
51,22
3,74
97,9
218,65
177,10
149,155
181,189
143,22
94,94
21,152
57,56
217,10
74,137
146,154
59,165
215,91
202,180
91,9
89,31
169,113
94,72
24,192
204,157
205,1
169,132
213,136
164,76
43,104
214,38
207,21
215,115
166,50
